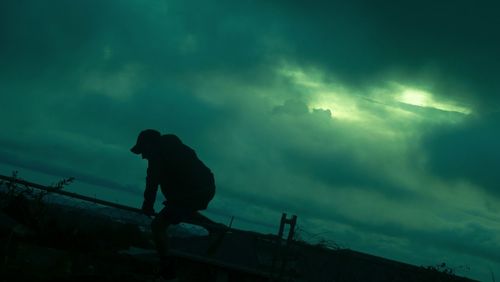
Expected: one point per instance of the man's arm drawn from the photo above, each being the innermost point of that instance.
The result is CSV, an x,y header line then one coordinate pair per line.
x,y
150,192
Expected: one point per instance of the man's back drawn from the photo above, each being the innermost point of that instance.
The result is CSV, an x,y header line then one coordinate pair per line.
x,y
183,177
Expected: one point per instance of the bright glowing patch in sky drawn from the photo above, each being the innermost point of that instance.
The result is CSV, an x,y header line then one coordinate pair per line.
x,y
374,107
338,104
415,97
425,99
323,96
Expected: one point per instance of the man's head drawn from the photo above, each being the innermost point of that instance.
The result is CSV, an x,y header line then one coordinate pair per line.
x,y
147,143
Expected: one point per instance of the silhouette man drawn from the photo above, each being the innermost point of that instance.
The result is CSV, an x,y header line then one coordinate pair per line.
x,y
186,182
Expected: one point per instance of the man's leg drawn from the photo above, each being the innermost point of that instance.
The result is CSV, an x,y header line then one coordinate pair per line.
x,y
159,227
213,227
197,218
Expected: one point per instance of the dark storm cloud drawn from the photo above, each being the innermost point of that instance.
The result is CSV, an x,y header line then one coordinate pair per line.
x,y
49,48
452,43
467,152
169,37
457,37
80,79
454,40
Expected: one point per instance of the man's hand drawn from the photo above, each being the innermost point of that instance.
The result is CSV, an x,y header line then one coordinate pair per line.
x,y
147,210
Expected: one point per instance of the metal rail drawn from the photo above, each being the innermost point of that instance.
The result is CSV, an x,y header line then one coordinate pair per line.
x,y
68,194
203,221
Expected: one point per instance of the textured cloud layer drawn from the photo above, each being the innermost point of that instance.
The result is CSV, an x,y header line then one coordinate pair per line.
x,y
375,123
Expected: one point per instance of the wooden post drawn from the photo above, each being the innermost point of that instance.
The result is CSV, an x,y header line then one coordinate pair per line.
x,y
291,231
281,254
282,226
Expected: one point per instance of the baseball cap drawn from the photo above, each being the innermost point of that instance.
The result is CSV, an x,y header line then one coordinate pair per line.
x,y
145,138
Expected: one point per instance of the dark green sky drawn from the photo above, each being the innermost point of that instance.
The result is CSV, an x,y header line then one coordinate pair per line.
x,y
377,124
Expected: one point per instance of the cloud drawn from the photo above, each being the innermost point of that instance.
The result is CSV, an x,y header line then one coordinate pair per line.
x,y
447,46
363,119
360,43
292,107
467,152
121,84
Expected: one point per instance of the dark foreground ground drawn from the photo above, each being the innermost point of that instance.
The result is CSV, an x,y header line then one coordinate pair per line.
x,y
58,242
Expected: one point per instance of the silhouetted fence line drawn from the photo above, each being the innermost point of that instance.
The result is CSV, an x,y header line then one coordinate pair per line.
x,y
55,190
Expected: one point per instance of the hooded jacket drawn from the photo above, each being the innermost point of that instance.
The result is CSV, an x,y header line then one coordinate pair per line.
x,y
184,179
